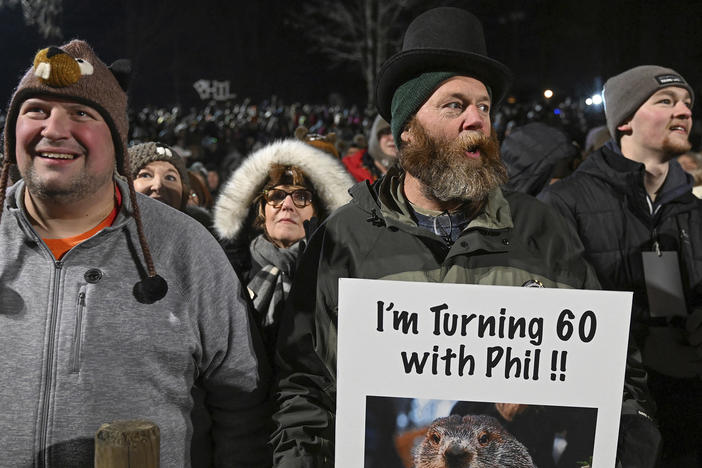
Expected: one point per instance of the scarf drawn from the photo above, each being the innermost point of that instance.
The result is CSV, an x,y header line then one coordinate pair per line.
x,y
271,285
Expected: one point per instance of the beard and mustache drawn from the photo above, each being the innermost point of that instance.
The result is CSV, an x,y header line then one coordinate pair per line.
x,y
446,172
673,149
74,189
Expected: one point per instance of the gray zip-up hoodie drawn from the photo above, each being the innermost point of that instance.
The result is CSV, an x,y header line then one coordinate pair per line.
x,y
78,349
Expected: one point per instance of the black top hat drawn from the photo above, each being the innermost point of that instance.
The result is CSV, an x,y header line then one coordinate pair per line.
x,y
441,39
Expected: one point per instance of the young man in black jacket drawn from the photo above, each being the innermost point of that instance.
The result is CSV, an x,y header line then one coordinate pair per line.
x,y
642,230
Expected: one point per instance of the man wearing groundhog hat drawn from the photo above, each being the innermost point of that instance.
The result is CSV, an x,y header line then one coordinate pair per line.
x,y
439,217
106,312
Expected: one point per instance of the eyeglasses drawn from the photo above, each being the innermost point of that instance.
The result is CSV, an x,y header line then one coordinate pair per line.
x,y
275,197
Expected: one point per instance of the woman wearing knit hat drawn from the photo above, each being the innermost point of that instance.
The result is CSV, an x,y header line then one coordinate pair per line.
x,y
159,172
260,214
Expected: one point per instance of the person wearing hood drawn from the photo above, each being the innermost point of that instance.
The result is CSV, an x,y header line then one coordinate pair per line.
x,y
634,210
106,304
535,154
369,164
262,213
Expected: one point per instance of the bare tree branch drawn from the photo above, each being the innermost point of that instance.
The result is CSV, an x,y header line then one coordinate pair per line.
x,y
361,32
44,14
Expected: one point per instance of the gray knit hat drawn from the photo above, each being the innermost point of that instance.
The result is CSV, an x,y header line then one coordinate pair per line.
x,y
624,93
142,154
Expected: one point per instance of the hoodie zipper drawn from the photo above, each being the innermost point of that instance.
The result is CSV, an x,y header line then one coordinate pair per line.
x,y
48,367
77,334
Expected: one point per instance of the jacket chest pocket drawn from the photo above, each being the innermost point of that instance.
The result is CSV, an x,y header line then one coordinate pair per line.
x,y
78,331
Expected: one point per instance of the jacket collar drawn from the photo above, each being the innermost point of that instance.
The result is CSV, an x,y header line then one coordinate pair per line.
x,y
14,203
610,165
126,212
385,200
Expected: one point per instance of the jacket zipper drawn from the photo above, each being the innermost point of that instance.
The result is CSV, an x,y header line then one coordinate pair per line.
x,y
48,367
655,245
684,237
77,340
686,252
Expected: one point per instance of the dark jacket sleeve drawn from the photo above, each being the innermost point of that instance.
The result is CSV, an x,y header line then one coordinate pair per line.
x,y
552,198
638,435
636,395
234,373
306,362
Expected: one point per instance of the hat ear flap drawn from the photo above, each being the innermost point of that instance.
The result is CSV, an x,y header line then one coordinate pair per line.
x,y
122,70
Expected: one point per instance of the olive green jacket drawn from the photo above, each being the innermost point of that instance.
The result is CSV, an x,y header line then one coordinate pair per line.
x,y
514,240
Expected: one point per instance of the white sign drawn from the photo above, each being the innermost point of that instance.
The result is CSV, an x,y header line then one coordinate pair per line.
x,y
212,89
504,345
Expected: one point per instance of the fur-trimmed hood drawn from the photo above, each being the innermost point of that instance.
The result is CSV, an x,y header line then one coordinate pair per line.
x,y
330,179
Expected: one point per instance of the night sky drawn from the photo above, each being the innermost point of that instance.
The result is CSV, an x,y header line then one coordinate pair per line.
x,y
568,46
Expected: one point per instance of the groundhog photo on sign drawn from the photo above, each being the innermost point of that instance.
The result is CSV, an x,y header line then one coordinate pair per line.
x,y
420,433
472,441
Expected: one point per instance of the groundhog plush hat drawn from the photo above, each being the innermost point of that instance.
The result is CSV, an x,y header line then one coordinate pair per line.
x,y
445,42
74,72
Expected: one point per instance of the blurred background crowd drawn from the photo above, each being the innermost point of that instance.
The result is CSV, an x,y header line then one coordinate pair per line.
x,y
215,137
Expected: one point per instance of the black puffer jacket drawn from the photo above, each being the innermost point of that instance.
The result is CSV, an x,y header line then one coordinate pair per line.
x,y
607,202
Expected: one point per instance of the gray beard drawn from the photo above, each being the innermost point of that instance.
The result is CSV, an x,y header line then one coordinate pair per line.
x,y
463,186
446,173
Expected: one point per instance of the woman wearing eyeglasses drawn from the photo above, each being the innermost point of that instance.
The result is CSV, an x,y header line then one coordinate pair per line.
x,y
260,218
285,207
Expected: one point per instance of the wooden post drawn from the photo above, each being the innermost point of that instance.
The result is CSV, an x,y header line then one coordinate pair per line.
x,y
127,444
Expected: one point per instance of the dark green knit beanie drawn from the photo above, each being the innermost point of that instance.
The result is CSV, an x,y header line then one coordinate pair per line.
x,y
410,96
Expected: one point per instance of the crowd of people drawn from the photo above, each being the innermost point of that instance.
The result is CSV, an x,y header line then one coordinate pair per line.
x,y
220,133
182,266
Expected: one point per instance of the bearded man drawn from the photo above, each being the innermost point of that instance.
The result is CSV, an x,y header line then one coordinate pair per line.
x,y
439,217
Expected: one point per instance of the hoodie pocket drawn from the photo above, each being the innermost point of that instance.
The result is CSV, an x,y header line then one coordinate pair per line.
x,y
78,331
